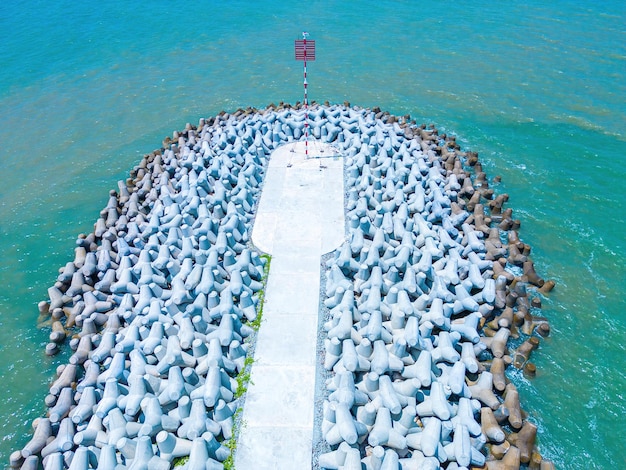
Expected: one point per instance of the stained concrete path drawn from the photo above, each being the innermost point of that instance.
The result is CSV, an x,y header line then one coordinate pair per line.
x,y
300,217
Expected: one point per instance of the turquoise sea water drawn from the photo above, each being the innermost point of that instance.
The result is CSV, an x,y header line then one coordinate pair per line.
x,y
537,88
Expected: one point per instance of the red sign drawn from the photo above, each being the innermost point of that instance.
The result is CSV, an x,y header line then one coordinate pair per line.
x,y
305,48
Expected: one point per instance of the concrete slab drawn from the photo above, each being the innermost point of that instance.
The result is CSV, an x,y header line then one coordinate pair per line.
x,y
300,217
266,446
287,294
301,261
299,336
274,399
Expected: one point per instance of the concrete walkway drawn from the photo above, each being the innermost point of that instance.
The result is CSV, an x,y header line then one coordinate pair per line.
x,y
300,218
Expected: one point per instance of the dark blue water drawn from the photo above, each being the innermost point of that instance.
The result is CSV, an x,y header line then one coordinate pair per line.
x,y
537,88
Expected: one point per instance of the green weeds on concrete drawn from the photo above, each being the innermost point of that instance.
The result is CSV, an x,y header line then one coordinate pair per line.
x,y
243,377
231,444
256,323
180,461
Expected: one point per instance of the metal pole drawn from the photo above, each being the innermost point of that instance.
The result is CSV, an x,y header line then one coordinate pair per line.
x,y
304,54
306,104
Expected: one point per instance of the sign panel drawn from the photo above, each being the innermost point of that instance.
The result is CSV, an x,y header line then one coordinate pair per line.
x,y
301,46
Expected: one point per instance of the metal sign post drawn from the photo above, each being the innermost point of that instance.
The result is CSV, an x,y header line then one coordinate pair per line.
x,y
305,50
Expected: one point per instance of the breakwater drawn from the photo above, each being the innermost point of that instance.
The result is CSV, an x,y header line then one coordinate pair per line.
x,y
160,295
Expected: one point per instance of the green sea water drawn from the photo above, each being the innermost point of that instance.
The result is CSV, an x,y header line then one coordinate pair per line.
x,y
537,88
